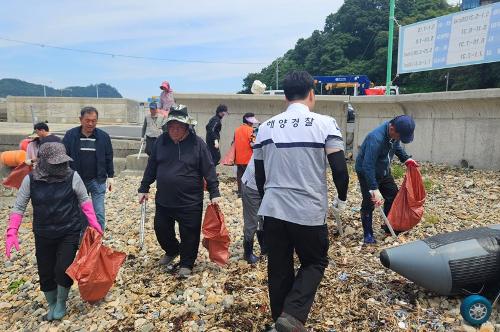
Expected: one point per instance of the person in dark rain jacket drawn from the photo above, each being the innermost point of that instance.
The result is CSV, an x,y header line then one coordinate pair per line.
x,y
179,162
213,129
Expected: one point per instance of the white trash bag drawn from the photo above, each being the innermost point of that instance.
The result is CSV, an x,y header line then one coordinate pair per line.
x,y
258,87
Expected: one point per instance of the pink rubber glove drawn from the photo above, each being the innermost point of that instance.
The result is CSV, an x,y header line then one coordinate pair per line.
x,y
11,239
411,163
88,210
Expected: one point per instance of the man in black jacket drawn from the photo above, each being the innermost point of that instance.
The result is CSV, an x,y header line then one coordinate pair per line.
x,y
92,154
179,162
213,129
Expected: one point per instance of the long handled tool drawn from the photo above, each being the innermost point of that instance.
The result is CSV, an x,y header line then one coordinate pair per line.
x,y
140,149
141,226
336,216
387,223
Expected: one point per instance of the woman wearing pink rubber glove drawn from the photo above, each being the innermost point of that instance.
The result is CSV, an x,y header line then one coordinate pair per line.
x,y
60,201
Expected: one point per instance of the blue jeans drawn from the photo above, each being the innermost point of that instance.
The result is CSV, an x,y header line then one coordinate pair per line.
x,y
97,192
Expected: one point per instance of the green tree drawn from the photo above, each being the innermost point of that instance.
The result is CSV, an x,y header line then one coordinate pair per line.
x,y
354,41
15,87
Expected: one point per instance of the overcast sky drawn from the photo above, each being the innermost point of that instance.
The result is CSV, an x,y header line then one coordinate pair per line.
x,y
240,36
250,33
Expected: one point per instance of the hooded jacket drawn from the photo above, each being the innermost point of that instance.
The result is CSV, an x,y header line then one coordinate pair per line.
x,y
179,170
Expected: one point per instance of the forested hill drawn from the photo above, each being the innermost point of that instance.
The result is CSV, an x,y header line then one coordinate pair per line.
x,y
354,41
15,87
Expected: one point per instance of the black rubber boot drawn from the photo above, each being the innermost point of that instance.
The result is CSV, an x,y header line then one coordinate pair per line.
x,y
262,244
248,252
366,220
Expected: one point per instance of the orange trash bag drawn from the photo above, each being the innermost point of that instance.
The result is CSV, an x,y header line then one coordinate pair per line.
x,y
228,159
215,235
95,267
408,207
16,176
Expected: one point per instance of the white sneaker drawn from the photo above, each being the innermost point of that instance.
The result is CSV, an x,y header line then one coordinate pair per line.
x,y
184,272
167,260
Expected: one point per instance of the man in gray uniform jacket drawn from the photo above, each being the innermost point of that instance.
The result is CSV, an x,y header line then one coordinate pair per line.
x,y
291,153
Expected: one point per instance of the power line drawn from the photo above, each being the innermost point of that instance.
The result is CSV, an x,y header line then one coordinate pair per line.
x,y
118,55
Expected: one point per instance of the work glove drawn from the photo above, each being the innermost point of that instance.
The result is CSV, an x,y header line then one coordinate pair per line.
x,y
411,163
11,238
215,200
338,205
142,140
110,183
88,211
377,197
216,144
142,197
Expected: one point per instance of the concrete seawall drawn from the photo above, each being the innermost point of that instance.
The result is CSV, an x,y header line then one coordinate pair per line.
x,y
202,107
67,109
452,128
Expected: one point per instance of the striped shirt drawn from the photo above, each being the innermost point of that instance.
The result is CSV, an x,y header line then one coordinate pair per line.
x,y
88,160
292,145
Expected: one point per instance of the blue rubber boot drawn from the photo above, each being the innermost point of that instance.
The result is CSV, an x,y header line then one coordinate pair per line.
x,y
51,298
60,308
366,220
248,252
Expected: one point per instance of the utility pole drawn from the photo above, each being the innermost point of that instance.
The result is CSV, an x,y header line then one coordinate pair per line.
x,y
392,4
447,80
97,90
44,87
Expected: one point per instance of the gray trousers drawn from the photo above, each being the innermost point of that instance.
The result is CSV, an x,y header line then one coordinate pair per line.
x,y
251,221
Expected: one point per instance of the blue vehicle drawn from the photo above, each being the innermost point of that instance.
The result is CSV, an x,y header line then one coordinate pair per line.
x,y
360,83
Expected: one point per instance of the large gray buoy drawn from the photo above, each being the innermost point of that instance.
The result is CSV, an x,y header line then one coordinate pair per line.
x,y
449,263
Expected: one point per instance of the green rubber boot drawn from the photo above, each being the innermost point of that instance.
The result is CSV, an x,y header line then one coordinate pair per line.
x,y
51,298
62,296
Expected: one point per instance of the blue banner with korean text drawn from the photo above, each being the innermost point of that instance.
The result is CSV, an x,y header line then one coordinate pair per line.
x,y
460,39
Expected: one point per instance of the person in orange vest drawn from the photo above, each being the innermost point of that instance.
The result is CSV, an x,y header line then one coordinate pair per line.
x,y
243,142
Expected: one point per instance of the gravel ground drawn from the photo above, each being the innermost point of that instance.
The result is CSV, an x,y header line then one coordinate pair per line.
x,y
357,292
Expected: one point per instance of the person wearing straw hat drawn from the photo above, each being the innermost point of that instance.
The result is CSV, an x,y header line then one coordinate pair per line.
x,y
179,162
60,205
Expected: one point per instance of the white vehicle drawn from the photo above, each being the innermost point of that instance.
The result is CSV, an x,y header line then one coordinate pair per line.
x,y
274,92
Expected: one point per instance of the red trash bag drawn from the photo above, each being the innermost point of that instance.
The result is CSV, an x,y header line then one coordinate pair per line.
x,y
408,207
23,145
95,267
16,176
228,159
215,235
